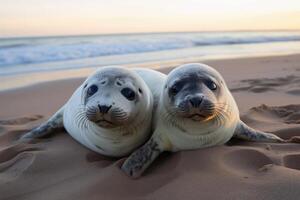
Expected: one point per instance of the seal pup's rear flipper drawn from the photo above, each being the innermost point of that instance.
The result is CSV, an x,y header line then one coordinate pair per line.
x,y
48,127
243,131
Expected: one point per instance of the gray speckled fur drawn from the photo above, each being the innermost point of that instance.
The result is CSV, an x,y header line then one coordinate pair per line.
x,y
245,132
141,159
48,127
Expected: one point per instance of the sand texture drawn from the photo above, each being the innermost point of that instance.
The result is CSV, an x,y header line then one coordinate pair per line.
x,y
267,91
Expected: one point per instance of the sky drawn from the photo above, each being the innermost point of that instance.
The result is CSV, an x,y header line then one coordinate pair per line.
x,y
77,17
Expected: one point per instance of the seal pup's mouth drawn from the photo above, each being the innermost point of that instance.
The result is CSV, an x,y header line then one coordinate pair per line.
x,y
104,123
103,120
197,117
200,117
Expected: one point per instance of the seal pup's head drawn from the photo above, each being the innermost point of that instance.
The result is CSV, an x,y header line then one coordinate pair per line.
x,y
195,92
114,96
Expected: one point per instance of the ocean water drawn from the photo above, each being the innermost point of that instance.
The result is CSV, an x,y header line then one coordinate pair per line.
x,y
21,55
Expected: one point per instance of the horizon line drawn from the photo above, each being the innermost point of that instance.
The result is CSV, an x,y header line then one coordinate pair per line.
x,y
147,33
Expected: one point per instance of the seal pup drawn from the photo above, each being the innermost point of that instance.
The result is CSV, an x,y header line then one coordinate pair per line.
x,y
195,110
155,81
110,113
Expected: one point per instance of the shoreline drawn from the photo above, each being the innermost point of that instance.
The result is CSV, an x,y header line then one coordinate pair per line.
x,y
27,79
146,33
245,77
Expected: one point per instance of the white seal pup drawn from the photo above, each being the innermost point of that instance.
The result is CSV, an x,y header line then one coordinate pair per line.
x,y
155,81
110,113
195,110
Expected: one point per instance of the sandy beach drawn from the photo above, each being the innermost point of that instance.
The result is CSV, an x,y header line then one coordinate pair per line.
x,y
267,91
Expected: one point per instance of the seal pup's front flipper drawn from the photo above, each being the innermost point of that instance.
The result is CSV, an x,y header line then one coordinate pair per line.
x,y
141,159
48,127
245,132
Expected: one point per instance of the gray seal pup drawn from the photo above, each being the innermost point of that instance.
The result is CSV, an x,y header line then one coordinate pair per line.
x,y
110,113
195,110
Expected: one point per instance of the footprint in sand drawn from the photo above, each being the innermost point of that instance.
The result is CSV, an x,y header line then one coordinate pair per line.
x,y
14,160
12,129
247,162
270,84
15,167
287,118
21,120
292,161
289,114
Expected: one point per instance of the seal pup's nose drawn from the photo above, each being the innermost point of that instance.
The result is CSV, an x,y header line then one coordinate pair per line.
x,y
104,108
196,101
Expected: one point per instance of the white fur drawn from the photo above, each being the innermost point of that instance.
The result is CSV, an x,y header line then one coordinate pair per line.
x,y
187,134
118,141
155,81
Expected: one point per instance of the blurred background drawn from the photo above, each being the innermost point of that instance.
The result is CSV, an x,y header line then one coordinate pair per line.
x,y
43,35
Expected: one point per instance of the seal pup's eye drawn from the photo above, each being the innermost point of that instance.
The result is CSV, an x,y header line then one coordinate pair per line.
x,y
92,90
128,93
176,87
119,83
211,85
174,90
